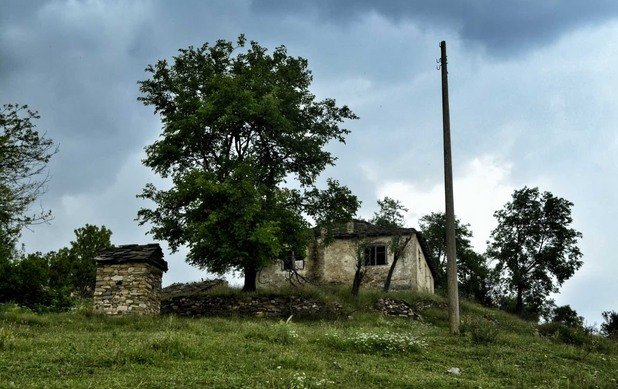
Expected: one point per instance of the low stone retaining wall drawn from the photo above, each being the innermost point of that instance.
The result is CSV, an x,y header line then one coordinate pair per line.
x,y
256,306
395,307
196,299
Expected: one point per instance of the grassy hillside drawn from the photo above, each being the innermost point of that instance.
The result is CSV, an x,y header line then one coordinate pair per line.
x,y
79,349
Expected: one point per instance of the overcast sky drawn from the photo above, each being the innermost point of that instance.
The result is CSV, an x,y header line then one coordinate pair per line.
x,y
533,102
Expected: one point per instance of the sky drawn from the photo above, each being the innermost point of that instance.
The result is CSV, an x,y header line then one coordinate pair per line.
x,y
533,92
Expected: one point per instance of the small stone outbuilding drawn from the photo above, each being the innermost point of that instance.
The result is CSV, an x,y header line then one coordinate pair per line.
x,y
129,280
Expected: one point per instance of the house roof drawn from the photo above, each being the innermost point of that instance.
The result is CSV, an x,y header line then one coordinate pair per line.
x,y
133,253
361,228
364,228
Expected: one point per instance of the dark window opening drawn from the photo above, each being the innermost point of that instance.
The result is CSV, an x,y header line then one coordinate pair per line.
x,y
292,261
375,255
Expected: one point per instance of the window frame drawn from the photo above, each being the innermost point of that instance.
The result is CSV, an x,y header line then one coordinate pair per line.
x,y
291,262
372,255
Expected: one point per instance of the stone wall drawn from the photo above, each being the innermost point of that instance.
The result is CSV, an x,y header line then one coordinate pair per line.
x,y
128,288
255,306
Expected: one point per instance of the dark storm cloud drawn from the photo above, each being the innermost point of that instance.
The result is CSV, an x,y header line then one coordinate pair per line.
x,y
77,65
504,28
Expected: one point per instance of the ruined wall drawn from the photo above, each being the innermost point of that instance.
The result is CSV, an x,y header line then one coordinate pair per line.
x,y
128,288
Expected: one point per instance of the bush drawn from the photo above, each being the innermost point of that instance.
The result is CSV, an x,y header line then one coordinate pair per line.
x,y
482,332
283,333
7,339
576,336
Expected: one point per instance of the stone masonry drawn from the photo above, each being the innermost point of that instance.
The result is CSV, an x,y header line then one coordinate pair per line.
x,y
129,280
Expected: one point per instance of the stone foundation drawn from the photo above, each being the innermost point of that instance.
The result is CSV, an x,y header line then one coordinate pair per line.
x,y
128,288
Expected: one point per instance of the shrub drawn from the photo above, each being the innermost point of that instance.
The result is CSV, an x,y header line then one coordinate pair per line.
x,y
283,333
481,331
576,336
7,339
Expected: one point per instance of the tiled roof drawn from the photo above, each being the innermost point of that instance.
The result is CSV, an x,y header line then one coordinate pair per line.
x,y
145,253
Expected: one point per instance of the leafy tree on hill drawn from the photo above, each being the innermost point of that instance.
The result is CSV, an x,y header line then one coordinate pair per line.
x,y
567,316
610,327
74,267
534,246
237,124
472,271
24,154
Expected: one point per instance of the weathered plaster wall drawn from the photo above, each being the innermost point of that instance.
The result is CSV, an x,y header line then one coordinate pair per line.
x,y
424,278
340,265
275,277
128,288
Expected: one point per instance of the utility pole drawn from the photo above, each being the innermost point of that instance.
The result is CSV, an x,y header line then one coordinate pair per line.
x,y
451,261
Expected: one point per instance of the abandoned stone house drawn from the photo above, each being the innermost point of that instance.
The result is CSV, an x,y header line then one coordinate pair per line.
x,y
335,263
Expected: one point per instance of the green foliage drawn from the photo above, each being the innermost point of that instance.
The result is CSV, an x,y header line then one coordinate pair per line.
x,y
577,336
7,339
481,331
473,273
24,154
390,214
74,268
56,280
238,123
567,316
534,246
610,327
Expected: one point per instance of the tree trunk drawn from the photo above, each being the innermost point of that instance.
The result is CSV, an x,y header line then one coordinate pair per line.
x,y
396,255
519,306
389,276
250,284
358,279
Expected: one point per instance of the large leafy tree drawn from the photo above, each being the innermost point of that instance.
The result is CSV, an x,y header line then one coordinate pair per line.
x,y
237,123
473,274
24,154
534,245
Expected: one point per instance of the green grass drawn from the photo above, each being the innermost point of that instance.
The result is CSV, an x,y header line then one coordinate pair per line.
x,y
80,349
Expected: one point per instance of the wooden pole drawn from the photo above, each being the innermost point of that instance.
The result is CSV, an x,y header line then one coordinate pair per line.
x,y
451,261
